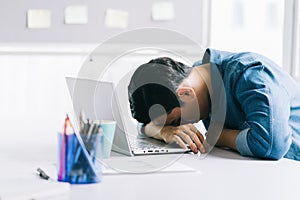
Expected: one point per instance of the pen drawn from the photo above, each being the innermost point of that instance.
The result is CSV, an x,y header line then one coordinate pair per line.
x,y
81,121
90,131
42,174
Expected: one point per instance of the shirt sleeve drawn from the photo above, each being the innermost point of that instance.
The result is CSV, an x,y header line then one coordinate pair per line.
x,y
266,106
140,129
197,63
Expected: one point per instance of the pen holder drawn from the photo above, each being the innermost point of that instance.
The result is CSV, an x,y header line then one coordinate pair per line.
x,y
76,163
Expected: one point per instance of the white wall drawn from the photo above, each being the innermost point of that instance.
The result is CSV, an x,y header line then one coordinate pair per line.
x,y
14,25
34,95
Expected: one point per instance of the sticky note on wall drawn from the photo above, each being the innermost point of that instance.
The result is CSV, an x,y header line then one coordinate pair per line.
x,y
116,18
76,14
38,18
163,11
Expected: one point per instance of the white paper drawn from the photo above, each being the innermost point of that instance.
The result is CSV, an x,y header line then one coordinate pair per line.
x,y
143,164
76,14
116,18
163,11
24,183
39,18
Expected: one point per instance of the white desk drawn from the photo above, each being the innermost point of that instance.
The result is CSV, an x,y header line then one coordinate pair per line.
x,y
224,175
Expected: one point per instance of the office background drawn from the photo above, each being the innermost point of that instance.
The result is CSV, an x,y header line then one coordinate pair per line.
x,y
35,61
14,27
42,42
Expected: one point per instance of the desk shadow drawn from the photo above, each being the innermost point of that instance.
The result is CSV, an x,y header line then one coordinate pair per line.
x,y
227,153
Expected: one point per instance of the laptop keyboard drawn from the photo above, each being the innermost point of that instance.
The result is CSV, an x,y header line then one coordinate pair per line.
x,y
141,145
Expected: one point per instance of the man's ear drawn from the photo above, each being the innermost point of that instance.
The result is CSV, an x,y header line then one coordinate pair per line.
x,y
186,94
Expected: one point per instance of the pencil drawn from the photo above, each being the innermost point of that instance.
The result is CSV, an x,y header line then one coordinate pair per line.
x,y
62,157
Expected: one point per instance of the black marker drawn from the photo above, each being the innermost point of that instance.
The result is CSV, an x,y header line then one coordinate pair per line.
x,y
42,174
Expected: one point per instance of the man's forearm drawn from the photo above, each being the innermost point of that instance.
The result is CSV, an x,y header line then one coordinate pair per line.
x,y
227,138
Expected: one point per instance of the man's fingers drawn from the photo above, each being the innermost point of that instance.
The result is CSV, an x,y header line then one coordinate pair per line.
x,y
185,134
185,137
203,141
195,138
195,130
200,136
179,141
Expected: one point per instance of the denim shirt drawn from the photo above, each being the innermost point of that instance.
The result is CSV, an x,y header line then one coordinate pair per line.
x,y
263,102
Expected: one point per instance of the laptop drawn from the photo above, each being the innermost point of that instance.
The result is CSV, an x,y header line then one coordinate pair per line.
x,y
99,100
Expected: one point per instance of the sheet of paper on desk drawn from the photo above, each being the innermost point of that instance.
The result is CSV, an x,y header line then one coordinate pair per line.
x,y
22,189
148,164
24,184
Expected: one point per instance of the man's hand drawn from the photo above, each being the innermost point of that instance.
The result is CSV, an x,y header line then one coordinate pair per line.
x,y
182,135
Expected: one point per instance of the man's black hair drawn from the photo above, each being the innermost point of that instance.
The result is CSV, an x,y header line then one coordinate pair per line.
x,y
154,83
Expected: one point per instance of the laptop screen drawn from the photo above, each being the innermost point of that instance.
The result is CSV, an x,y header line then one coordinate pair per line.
x,y
98,101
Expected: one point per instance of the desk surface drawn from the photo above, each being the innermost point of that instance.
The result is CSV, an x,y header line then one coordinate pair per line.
x,y
221,175
224,175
